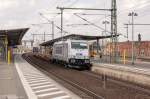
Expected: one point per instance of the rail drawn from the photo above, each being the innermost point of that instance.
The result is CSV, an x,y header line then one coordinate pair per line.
x,y
88,92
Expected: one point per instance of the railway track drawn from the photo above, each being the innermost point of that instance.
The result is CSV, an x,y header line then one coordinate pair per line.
x,y
88,92
93,85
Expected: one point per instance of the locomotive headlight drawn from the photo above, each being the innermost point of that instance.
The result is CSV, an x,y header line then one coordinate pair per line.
x,y
86,57
73,60
73,56
87,61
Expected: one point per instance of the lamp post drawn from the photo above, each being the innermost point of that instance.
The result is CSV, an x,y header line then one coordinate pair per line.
x,y
132,14
104,22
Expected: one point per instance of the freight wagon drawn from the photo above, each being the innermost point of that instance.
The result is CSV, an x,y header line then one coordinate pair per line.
x,y
35,50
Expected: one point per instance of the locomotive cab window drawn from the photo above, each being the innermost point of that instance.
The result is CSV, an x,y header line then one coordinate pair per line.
x,y
79,45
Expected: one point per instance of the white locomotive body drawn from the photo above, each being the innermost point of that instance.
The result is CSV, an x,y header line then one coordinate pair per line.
x,y
73,53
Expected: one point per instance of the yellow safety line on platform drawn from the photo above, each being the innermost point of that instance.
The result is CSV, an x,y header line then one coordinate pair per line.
x,y
124,57
8,59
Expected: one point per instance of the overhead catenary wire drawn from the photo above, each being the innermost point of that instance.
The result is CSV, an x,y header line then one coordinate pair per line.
x,y
91,23
135,6
78,24
91,14
73,3
87,14
55,4
54,24
97,25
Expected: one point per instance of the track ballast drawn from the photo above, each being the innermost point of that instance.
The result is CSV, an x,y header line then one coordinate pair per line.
x,y
88,85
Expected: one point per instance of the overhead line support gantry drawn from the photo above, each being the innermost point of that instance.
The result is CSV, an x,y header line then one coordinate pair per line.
x,y
113,11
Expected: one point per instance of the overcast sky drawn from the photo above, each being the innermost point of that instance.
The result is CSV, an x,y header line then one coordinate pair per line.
x,y
24,13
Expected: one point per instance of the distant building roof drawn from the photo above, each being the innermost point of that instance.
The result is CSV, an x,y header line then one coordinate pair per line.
x,y
127,42
76,37
14,36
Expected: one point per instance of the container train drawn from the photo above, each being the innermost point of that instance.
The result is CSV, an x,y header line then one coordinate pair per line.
x,y
72,53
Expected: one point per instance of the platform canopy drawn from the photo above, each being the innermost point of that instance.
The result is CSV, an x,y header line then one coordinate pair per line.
x,y
14,36
76,37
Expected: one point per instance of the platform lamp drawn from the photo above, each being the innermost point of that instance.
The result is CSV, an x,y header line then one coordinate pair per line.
x,y
105,23
133,14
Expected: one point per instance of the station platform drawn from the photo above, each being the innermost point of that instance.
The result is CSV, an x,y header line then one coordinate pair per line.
x,y
138,73
20,80
38,85
128,63
10,84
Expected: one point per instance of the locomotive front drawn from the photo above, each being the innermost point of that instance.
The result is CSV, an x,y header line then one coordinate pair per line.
x,y
79,54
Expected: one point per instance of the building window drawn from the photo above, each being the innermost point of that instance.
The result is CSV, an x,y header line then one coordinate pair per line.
x,y
142,52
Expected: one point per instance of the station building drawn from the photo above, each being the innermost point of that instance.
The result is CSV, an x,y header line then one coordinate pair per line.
x,y
141,48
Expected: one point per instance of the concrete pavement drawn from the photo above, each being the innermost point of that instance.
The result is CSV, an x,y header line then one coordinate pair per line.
x,y
10,84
